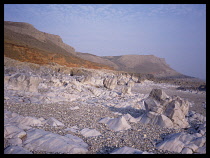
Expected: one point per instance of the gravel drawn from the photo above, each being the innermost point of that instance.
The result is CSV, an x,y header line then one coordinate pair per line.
x,y
140,136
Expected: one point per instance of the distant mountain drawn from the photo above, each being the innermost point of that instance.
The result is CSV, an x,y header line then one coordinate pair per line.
x,y
25,43
147,64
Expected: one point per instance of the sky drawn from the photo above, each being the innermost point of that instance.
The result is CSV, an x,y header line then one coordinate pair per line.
x,y
176,32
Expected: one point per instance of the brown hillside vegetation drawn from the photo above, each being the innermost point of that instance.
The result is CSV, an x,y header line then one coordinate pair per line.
x,y
27,54
27,47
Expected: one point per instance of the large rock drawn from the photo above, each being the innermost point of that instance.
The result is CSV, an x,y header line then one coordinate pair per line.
x,y
116,124
182,142
41,140
21,121
15,141
110,82
127,88
96,91
16,150
157,119
129,118
128,150
92,79
153,105
24,82
54,122
172,144
176,112
158,95
165,111
89,132
11,131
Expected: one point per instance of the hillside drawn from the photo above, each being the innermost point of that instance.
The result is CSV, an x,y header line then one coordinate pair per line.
x,y
145,64
25,43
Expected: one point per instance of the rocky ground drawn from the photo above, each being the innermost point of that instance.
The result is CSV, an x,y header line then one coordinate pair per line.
x,y
70,108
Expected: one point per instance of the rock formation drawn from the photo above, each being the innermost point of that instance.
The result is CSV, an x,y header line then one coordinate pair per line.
x,y
116,124
165,111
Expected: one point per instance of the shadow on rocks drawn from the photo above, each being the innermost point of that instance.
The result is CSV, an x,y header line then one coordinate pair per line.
x,y
128,110
106,150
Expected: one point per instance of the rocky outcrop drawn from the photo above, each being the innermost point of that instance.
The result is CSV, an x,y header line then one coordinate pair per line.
x,y
20,131
16,150
183,143
24,82
53,122
127,88
128,150
110,82
116,124
41,140
165,111
28,29
90,132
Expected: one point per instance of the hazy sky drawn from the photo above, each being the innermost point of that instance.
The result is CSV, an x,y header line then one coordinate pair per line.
x,y
176,32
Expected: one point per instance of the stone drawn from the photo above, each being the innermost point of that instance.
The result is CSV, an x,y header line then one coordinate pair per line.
x,y
199,141
15,141
164,121
11,131
97,92
149,117
126,90
186,151
16,150
128,150
74,129
174,112
25,82
116,124
192,146
30,121
74,108
129,118
181,142
171,143
153,105
110,82
56,82
89,79
130,83
105,120
53,122
158,95
77,140
201,150
86,132
41,140
186,138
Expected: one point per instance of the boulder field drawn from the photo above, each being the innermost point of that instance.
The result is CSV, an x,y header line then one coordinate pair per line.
x,y
56,113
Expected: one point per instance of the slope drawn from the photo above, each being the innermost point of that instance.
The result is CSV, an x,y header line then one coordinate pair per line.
x,y
25,43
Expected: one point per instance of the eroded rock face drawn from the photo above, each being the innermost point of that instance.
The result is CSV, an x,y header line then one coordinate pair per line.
x,y
158,95
16,150
89,132
116,124
165,111
110,82
183,143
41,140
24,82
128,150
